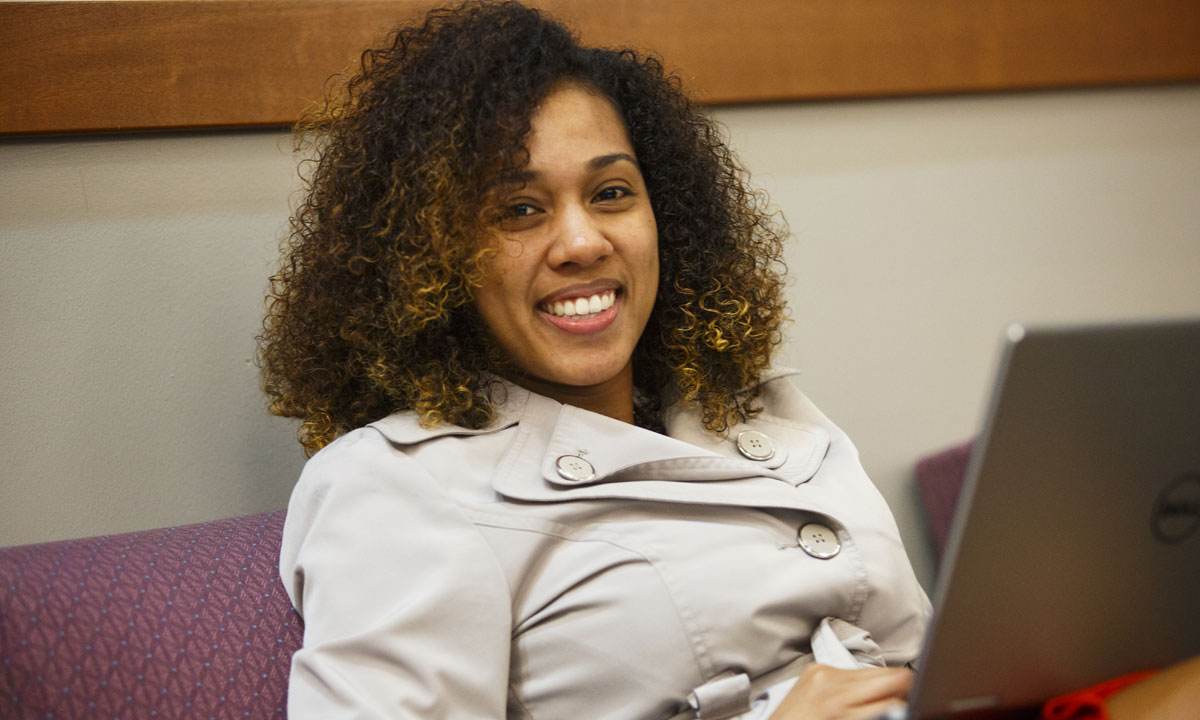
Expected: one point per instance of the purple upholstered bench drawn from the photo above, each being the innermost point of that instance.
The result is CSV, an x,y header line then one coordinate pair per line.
x,y
182,622
940,479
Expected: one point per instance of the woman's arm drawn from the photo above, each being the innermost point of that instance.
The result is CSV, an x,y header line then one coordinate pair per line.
x,y
1173,694
407,614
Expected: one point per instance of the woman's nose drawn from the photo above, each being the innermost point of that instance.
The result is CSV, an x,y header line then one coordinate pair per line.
x,y
579,241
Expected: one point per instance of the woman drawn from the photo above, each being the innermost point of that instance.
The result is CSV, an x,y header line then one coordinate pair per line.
x,y
527,316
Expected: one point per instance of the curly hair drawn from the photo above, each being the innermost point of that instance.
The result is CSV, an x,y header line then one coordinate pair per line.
x,y
371,311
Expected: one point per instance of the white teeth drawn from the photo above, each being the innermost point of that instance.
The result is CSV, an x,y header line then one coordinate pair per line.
x,y
582,306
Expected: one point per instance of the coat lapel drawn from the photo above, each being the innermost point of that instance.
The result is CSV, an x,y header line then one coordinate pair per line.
x,y
631,463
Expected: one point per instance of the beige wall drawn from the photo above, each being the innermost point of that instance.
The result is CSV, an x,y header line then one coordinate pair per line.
x,y
132,271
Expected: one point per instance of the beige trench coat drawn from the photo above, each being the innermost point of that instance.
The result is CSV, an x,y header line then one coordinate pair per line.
x,y
451,573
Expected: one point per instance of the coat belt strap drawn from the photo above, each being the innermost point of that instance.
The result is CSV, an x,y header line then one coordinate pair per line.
x,y
725,696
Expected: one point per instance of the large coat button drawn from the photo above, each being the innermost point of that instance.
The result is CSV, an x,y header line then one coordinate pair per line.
x,y
755,445
573,468
819,541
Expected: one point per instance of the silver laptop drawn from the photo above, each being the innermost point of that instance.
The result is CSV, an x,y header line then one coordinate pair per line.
x,y
1074,554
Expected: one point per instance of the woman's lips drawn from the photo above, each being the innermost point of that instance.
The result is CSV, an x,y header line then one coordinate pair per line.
x,y
583,315
580,305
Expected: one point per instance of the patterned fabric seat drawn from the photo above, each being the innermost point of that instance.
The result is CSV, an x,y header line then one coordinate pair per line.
x,y
940,479
182,622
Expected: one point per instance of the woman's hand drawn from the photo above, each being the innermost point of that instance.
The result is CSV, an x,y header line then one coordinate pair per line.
x,y
826,693
1173,694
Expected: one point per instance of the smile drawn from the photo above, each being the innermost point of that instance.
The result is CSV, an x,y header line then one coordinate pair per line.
x,y
580,307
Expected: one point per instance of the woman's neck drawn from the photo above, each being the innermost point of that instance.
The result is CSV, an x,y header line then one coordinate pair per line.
x,y
612,397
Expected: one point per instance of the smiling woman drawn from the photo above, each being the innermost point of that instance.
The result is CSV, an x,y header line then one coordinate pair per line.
x,y
430,184
526,316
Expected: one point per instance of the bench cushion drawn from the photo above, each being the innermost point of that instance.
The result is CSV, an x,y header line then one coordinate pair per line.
x,y
182,622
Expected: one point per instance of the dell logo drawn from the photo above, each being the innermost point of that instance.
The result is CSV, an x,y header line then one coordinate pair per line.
x,y
1176,514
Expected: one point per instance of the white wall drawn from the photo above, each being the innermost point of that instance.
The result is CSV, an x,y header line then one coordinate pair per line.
x,y
132,271
132,275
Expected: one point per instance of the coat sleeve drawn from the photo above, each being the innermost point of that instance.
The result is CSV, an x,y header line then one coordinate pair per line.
x,y
407,613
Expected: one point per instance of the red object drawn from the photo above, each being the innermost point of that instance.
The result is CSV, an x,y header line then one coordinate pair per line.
x,y
1090,703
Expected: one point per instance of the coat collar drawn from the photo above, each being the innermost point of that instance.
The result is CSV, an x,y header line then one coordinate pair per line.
x,y
509,399
689,464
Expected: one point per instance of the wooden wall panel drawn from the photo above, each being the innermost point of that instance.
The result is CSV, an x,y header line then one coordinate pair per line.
x,y
71,66
87,66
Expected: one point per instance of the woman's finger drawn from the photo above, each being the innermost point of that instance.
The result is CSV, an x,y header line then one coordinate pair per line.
x,y
873,711
824,692
874,684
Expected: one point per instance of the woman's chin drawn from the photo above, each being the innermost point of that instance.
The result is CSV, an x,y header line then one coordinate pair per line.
x,y
582,374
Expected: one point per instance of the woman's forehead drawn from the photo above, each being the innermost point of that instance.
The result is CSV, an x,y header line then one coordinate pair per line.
x,y
576,119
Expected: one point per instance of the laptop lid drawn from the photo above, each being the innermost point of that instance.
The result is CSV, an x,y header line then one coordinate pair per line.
x,y
1074,554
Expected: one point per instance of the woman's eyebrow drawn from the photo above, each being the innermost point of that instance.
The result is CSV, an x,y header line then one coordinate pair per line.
x,y
605,160
524,177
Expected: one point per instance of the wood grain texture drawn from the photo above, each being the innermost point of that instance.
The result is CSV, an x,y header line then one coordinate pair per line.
x,y
87,66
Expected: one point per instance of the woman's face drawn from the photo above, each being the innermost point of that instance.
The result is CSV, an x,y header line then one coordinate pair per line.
x,y
576,274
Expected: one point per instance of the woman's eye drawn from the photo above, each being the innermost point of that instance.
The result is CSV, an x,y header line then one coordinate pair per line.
x,y
519,216
521,210
612,193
